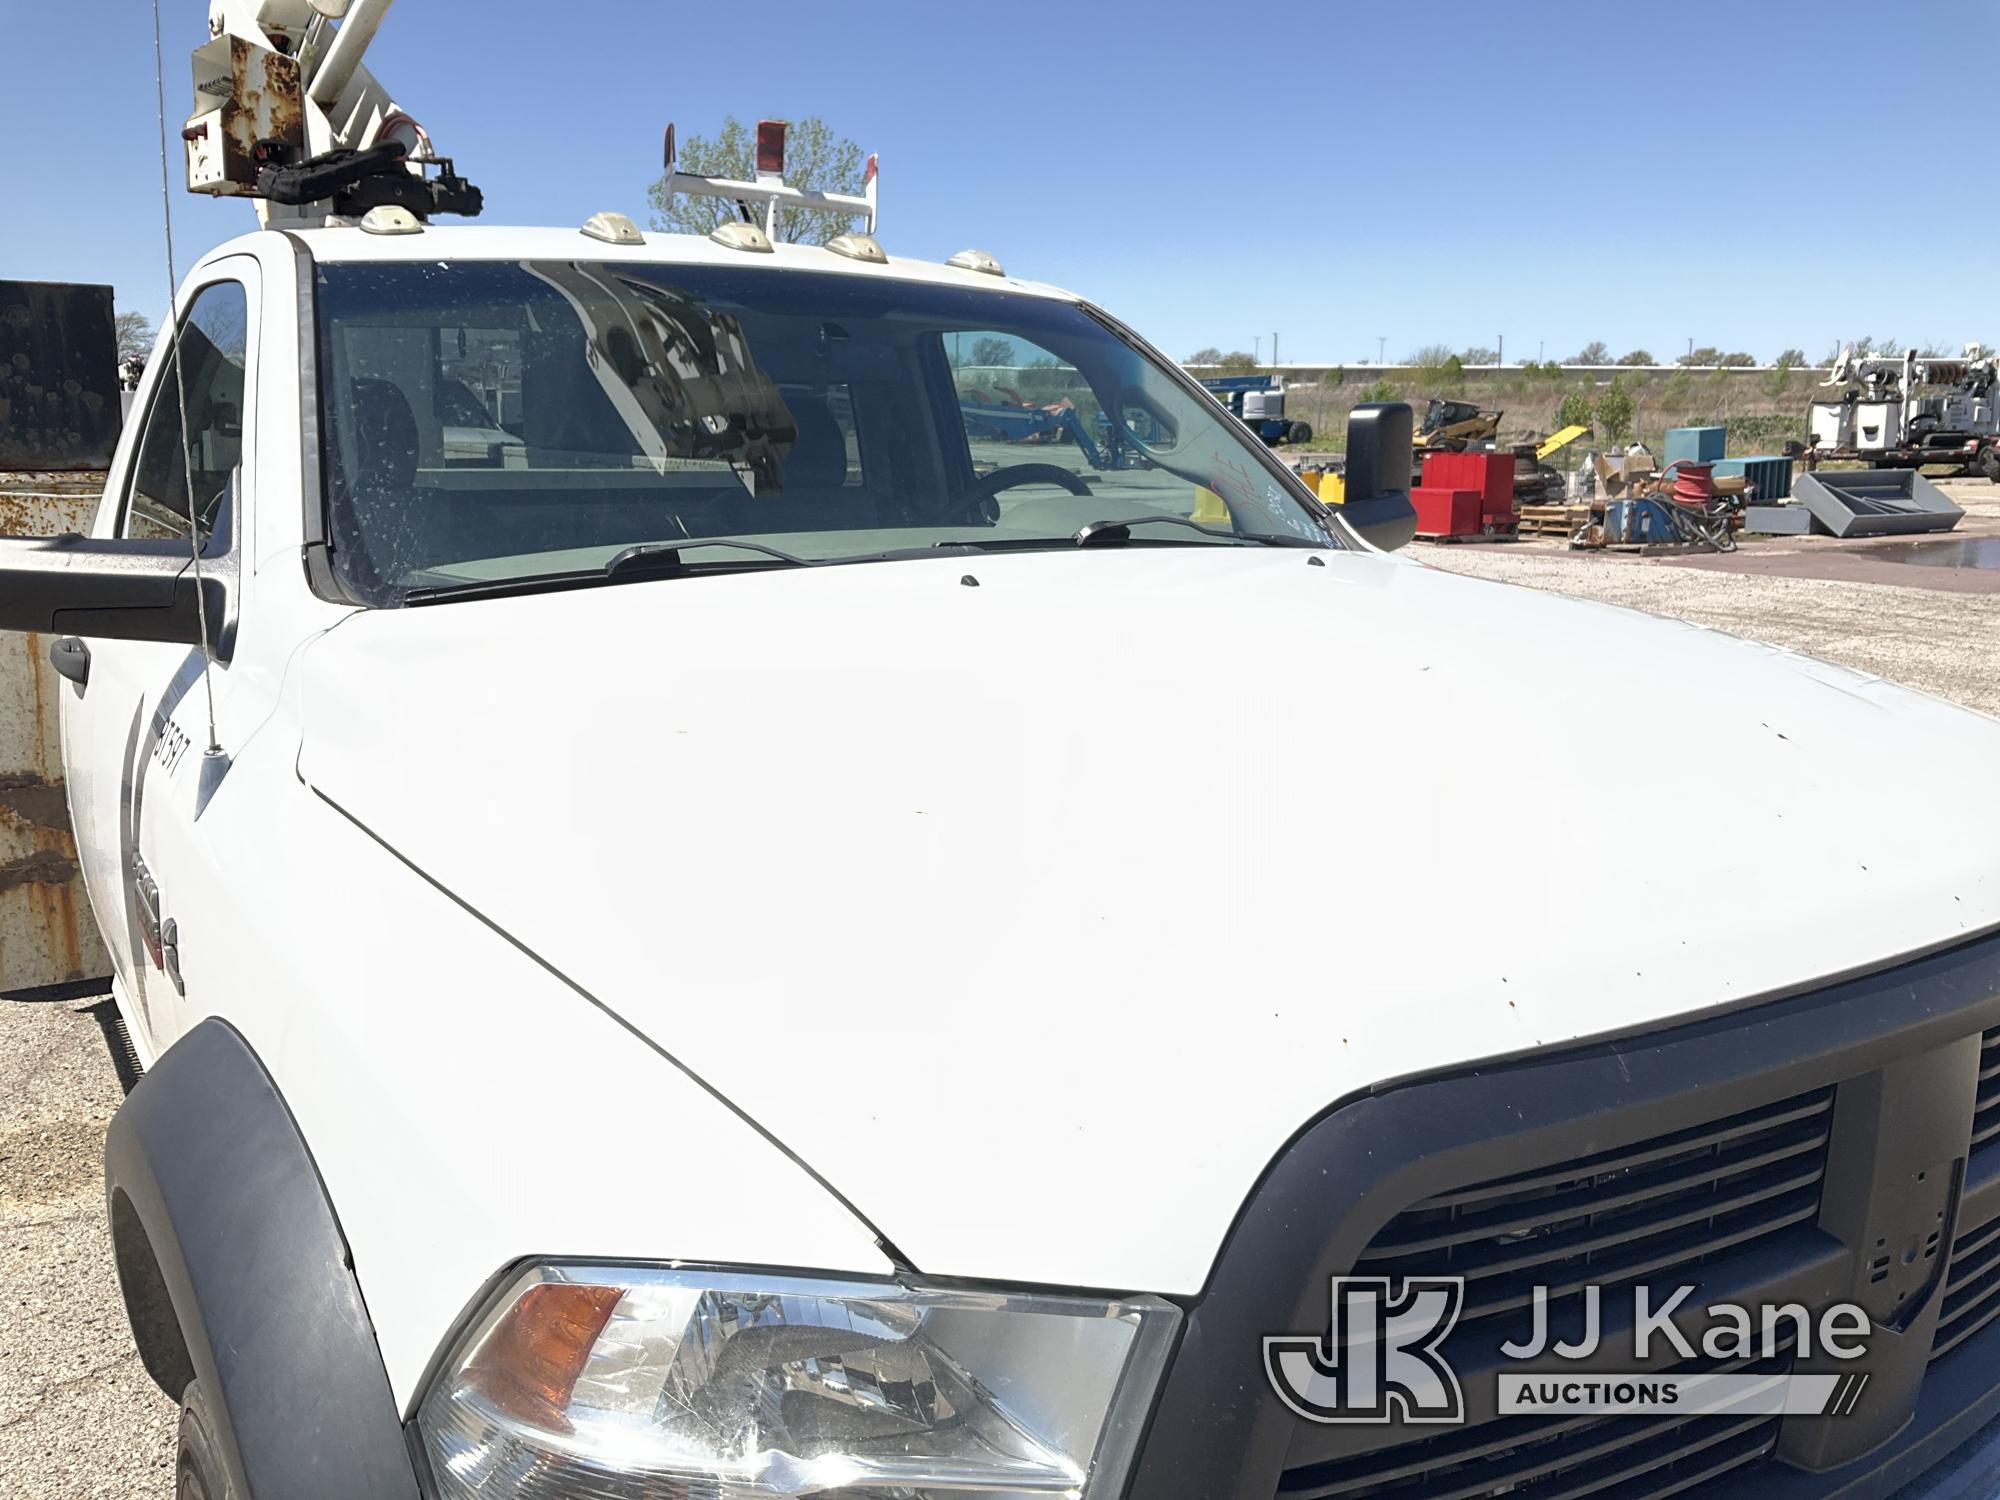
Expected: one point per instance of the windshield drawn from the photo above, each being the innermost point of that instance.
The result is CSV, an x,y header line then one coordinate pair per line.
x,y
494,423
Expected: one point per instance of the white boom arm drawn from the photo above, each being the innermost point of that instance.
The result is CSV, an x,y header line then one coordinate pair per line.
x,y
279,83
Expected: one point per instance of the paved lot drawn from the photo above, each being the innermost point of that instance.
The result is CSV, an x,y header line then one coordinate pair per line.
x,y
78,1417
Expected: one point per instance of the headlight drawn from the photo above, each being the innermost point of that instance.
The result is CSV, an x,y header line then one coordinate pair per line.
x,y
618,1382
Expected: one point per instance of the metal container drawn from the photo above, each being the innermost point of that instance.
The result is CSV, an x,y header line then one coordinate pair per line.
x,y
1771,473
1875,502
47,935
59,398
1447,512
1491,474
1697,445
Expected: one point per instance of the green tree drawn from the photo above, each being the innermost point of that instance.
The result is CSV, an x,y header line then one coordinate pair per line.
x,y
1430,357
815,159
134,332
1381,390
991,351
1578,408
1593,353
1707,354
1479,355
1737,361
1236,363
1209,356
1639,357
1791,359
1614,411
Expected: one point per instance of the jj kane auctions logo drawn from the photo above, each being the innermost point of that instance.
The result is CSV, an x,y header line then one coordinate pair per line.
x,y
1382,1358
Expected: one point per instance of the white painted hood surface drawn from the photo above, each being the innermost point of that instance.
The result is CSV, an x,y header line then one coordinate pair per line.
x,y
1037,916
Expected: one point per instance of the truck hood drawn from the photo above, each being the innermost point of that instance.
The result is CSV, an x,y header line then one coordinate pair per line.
x,y
1037,915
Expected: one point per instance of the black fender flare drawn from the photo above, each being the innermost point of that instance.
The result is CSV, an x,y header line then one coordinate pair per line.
x,y
235,1273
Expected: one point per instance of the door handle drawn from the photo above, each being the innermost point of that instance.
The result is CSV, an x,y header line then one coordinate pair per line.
x,y
71,658
170,954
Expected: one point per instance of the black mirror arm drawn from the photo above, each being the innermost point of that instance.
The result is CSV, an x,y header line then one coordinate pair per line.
x,y
107,589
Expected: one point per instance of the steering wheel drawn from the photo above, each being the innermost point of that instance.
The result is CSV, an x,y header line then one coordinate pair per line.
x,y
977,499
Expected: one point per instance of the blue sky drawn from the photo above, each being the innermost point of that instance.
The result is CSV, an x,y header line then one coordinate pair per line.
x,y
1435,172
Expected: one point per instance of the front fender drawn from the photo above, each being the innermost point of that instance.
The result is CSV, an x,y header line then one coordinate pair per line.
x,y
235,1273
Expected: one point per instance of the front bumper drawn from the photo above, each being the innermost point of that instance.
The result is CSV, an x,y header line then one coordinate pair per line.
x,y
1971,1473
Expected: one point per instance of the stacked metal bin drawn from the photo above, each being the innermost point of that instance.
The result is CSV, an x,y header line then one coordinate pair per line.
x,y
1769,474
1696,445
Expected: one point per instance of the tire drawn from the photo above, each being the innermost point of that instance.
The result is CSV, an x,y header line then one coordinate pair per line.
x,y
199,1473
1301,433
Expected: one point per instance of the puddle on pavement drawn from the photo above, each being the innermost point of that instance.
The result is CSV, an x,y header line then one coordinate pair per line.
x,y
1981,552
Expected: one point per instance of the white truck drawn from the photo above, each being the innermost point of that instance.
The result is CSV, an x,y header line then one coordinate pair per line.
x,y
732,939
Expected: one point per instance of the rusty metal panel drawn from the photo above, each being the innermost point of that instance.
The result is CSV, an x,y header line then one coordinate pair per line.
x,y
47,935
59,406
245,95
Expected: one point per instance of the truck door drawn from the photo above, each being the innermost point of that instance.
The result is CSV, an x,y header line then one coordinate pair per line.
x,y
135,729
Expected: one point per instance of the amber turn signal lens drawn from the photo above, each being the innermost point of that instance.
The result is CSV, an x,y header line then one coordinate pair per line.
x,y
529,1364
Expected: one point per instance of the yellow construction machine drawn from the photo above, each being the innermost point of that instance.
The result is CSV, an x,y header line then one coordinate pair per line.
x,y
1454,426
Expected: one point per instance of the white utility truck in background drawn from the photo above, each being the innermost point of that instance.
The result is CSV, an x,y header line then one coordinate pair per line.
x,y
1906,410
705,917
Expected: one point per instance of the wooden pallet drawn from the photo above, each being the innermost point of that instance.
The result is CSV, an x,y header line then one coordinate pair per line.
x,y
1553,520
1477,536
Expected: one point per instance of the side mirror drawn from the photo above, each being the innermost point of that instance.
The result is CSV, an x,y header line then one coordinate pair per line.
x,y
112,590
1377,503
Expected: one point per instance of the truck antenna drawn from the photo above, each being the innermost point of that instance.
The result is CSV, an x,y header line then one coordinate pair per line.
x,y
180,393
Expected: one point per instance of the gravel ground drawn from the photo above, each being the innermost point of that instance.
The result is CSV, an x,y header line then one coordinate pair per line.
x,y
1944,643
78,1416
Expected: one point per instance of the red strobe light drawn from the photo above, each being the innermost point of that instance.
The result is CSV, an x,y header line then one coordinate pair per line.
x,y
771,147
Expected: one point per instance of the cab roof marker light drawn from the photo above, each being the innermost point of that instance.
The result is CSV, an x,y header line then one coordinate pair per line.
x,y
977,260
740,234
389,218
863,247
613,229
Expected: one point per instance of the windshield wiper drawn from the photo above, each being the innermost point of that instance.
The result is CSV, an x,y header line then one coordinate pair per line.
x,y
666,556
659,557
1117,533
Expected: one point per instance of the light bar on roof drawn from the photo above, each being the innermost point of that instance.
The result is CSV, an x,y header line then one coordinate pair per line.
x,y
770,189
